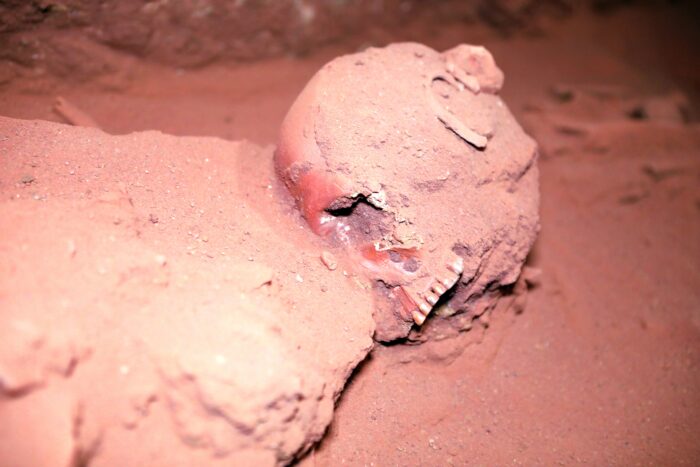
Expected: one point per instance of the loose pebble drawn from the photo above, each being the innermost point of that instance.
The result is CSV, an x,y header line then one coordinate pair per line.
x,y
328,259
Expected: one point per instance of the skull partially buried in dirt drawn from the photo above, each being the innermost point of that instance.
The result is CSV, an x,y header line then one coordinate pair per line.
x,y
408,160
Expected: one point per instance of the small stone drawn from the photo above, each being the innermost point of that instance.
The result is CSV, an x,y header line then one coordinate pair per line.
x,y
71,249
532,276
27,180
161,260
328,259
299,278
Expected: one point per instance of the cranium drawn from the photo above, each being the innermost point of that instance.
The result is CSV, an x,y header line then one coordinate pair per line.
x,y
409,158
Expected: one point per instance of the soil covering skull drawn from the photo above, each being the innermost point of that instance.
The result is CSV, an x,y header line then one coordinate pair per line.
x,y
409,160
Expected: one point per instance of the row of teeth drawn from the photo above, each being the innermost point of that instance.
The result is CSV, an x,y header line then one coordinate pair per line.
x,y
437,289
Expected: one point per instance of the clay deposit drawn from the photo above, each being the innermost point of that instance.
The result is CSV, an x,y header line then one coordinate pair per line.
x,y
182,295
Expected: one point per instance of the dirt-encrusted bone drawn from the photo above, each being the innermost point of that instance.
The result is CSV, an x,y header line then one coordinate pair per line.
x,y
455,175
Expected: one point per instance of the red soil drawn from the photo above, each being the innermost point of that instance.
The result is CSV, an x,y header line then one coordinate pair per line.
x,y
601,367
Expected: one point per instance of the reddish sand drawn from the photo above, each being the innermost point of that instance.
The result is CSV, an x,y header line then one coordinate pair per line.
x,y
602,367
136,294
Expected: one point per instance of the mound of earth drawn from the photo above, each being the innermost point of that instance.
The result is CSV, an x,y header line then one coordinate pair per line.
x,y
158,303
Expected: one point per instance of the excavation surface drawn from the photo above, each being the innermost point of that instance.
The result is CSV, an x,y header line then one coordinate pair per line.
x,y
601,367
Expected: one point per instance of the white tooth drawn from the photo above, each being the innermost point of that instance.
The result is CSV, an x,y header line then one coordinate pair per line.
x,y
432,299
424,308
439,289
449,282
457,266
418,318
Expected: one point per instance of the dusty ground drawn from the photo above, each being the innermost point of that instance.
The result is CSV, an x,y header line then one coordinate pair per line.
x,y
602,366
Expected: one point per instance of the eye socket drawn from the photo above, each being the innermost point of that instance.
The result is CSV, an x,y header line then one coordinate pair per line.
x,y
411,265
346,206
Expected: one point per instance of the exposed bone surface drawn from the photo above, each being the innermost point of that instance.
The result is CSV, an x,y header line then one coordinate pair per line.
x,y
458,175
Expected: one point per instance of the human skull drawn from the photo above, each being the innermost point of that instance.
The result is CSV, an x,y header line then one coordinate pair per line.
x,y
409,158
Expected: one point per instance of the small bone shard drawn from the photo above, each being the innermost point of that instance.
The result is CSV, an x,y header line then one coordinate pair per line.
x,y
453,123
470,82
